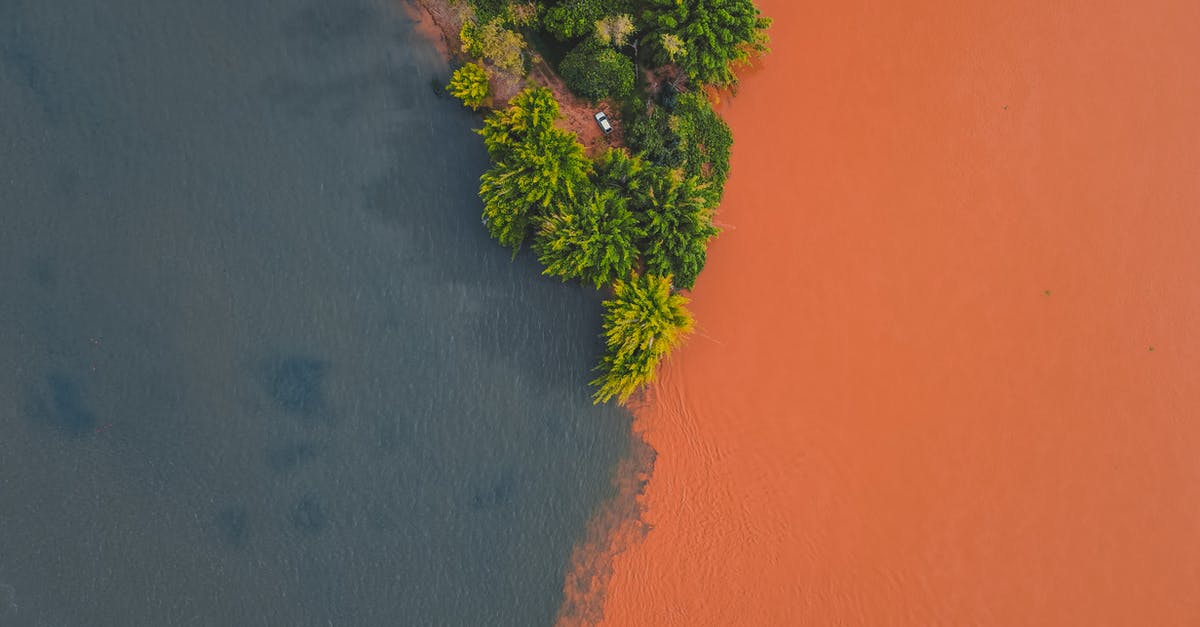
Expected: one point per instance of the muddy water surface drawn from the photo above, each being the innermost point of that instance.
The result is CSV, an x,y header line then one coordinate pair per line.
x,y
946,368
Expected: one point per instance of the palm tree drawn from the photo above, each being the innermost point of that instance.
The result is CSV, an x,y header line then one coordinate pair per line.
x,y
536,166
529,113
643,321
676,219
628,174
594,240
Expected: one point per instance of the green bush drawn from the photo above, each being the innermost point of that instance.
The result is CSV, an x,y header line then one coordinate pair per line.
x,y
470,84
596,71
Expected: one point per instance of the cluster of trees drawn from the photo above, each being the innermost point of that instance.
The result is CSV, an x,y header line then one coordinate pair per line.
x,y
636,220
621,221
703,39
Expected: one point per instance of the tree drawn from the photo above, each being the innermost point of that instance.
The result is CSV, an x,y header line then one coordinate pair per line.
x,y
616,169
469,83
672,46
528,113
573,18
614,30
596,71
594,240
643,321
521,14
500,46
537,166
715,35
676,220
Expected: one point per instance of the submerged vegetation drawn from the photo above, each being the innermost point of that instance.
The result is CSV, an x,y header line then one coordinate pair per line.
x,y
637,218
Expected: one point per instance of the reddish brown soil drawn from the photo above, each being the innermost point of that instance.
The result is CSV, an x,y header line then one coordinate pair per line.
x,y
946,372
441,22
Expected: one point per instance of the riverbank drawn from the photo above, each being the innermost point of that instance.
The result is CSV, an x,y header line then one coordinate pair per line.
x,y
441,23
949,380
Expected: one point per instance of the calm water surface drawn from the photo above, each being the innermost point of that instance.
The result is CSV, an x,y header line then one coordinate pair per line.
x,y
261,365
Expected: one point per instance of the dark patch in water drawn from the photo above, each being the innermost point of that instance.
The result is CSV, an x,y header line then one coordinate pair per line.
x,y
286,458
309,516
296,384
34,75
439,90
233,523
65,410
43,273
497,494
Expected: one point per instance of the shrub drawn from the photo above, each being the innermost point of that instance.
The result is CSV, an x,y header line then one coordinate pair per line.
x,y
470,84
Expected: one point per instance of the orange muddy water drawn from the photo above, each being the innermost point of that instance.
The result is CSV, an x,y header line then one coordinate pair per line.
x,y
948,362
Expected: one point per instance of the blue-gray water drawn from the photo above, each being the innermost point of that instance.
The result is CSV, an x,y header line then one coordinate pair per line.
x,y
260,363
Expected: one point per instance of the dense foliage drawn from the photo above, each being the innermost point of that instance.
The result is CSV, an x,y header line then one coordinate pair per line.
x,y
594,240
537,166
638,220
615,30
597,71
676,221
643,321
492,42
569,19
690,135
469,83
705,37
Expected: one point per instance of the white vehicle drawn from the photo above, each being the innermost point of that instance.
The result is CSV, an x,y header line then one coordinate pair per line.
x,y
602,120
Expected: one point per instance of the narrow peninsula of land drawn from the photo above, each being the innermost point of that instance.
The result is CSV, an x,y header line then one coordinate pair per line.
x,y
608,159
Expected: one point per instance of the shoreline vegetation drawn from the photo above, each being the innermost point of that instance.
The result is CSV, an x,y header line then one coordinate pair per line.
x,y
631,211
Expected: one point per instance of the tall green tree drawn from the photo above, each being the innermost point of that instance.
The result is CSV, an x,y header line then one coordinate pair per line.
x,y
676,219
628,174
529,113
715,35
643,322
537,166
594,240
